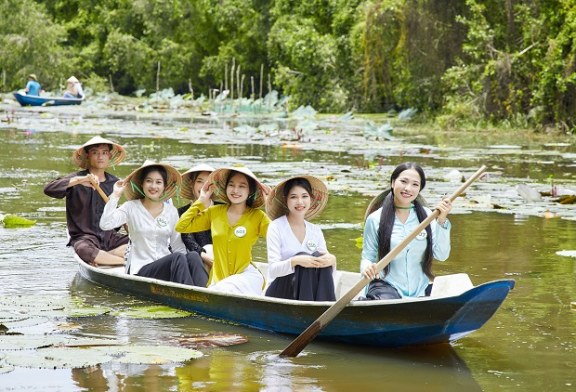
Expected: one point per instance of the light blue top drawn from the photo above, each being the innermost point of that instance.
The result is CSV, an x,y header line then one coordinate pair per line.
x,y
33,88
406,273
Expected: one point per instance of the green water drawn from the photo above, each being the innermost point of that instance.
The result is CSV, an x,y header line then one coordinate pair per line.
x,y
529,344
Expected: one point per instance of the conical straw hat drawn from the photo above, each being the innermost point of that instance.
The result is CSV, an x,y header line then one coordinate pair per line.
x,y
134,180
188,178
219,177
276,204
117,152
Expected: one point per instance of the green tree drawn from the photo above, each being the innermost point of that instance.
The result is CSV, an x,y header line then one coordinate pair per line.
x,y
309,49
30,43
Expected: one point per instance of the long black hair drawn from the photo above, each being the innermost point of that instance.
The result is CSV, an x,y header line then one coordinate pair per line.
x,y
388,216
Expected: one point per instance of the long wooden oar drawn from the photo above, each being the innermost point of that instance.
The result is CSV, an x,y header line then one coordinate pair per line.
x,y
314,329
105,198
101,192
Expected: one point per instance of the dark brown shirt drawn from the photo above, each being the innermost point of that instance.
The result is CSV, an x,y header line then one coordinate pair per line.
x,y
84,205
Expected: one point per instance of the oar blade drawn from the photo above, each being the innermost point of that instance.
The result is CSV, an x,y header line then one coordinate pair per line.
x,y
302,340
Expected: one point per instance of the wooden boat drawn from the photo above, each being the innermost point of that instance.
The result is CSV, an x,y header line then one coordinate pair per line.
x,y
441,318
34,100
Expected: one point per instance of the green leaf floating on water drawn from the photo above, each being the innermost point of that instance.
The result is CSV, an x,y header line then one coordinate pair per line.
x,y
359,242
17,221
57,358
46,306
143,354
80,357
153,312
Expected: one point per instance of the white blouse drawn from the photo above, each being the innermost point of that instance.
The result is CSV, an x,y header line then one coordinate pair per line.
x,y
149,236
282,245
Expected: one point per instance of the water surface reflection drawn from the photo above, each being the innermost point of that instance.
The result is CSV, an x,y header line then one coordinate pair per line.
x,y
529,345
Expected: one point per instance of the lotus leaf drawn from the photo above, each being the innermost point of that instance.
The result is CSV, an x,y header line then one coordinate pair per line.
x,y
152,355
17,221
153,312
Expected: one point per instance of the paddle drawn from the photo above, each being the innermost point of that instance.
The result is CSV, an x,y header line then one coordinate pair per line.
x,y
314,329
101,192
105,198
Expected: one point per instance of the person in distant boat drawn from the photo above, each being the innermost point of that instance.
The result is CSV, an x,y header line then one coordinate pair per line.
x,y
32,86
73,88
84,205
235,226
299,264
201,242
156,250
391,217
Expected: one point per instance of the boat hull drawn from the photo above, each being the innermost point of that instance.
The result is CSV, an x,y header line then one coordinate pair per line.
x,y
33,100
394,323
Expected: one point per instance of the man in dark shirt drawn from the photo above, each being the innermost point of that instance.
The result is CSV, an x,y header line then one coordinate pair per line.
x,y
84,205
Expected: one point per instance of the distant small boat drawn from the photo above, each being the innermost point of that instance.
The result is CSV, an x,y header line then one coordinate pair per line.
x,y
458,310
34,100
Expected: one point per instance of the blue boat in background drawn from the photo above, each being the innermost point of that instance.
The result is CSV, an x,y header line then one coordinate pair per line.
x,y
440,318
35,100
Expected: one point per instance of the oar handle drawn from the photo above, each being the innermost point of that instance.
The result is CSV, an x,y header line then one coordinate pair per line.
x,y
101,192
105,198
310,333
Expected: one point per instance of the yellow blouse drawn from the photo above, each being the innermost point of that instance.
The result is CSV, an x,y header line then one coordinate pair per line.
x,y
232,244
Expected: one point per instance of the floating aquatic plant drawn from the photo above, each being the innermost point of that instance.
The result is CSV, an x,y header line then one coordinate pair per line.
x,y
60,351
152,312
11,221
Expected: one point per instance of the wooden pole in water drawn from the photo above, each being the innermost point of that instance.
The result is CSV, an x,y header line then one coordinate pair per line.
x,y
158,78
261,78
232,79
238,89
226,76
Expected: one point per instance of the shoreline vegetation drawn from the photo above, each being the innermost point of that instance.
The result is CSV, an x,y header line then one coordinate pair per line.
x,y
467,64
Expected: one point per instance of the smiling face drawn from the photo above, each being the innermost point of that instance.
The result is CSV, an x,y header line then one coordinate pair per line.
x,y
298,201
237,188
406,187
153,185
98,156
199,181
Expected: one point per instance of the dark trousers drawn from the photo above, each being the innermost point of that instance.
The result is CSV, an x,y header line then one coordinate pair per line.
x,y
305,284
380,289
87,246
177,267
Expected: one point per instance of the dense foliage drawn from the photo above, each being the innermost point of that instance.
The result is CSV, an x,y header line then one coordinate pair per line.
x,y
463,61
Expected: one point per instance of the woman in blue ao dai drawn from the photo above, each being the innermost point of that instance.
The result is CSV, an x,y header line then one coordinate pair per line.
x,y
400,211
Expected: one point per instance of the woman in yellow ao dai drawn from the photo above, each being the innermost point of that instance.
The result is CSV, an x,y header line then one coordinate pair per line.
x,y
235,228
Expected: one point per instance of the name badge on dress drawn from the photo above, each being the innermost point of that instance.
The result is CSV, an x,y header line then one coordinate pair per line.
x,y
311,245
240,231
161,222
422,235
